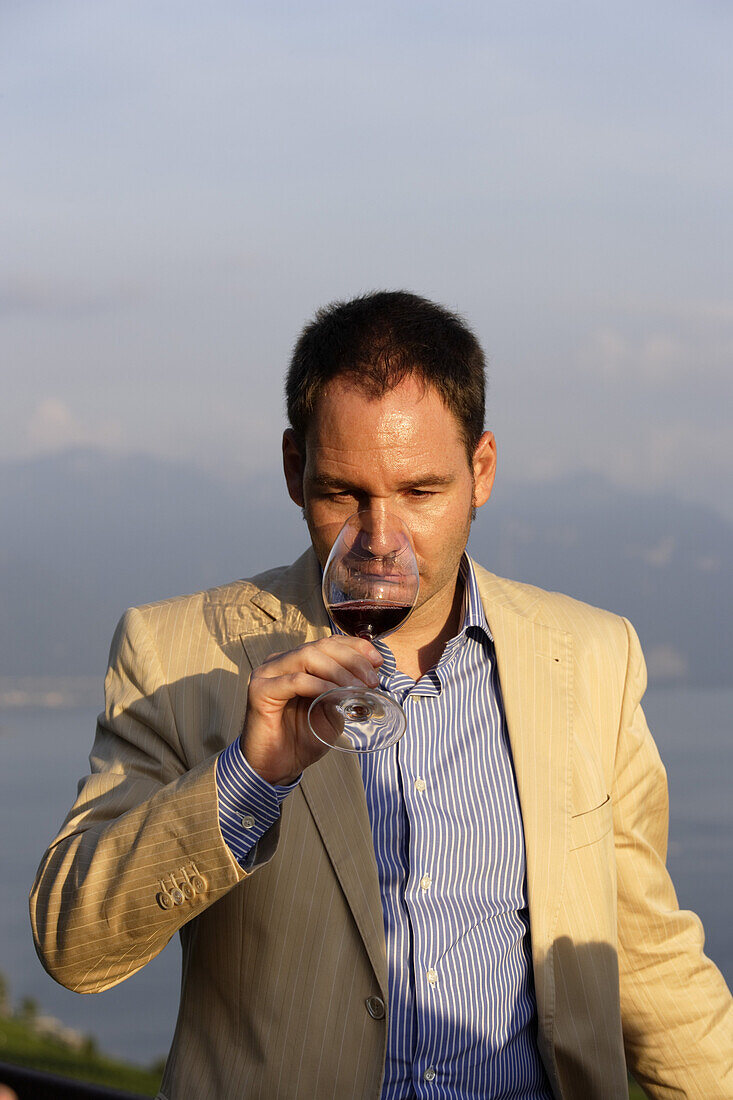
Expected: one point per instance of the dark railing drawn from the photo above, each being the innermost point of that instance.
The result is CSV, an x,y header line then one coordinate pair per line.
x,y
29,1084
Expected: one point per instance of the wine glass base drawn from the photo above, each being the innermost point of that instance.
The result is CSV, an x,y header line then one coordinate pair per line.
x,y
356,720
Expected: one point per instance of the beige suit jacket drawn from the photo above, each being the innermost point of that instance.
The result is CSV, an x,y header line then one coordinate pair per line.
x,y
279,963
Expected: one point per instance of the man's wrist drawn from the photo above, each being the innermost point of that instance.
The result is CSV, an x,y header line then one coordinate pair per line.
x,y
266,772
248,805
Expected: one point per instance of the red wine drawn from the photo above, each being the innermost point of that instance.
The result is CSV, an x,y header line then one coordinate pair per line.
x,y
368,618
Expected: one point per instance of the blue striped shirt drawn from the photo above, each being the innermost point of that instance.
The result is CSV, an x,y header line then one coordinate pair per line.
x,y
449,845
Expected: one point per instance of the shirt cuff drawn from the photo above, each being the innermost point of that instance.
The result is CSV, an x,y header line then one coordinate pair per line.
x,y
248,804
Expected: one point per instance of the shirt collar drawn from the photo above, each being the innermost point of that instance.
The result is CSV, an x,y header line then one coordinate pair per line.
x,y
473,626
472,613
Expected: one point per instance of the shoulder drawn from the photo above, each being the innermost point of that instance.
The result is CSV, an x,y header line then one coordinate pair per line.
x,y
604,653
587,624
231,608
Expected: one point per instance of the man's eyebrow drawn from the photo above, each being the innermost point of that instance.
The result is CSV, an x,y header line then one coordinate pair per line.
x,y
428,480
324,481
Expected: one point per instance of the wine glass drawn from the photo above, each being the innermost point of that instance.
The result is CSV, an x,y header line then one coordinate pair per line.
x,y
370,586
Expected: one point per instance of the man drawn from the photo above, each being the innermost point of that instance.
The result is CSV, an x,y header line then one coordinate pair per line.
x,y
480,911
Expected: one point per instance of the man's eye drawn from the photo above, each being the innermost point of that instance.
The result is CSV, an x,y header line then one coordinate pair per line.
x,y
420,493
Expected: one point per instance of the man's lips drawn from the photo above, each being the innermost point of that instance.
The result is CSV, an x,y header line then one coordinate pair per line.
x,y
375,570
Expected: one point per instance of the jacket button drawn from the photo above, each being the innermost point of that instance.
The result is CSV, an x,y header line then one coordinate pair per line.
x,y
375,1008
164,900
198,881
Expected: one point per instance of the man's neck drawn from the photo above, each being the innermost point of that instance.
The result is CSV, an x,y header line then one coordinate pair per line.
x,y
417,647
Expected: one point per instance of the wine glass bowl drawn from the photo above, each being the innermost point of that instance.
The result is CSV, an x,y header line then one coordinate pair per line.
x,y
370,586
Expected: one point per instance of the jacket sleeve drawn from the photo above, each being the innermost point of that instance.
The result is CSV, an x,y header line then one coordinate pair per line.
x,y
676,1009
141,852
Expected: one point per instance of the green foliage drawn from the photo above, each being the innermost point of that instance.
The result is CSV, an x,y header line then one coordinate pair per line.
x,y
158,1066
28,1010
22,1046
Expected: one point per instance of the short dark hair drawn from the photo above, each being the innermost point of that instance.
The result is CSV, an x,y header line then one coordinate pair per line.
x,y
379,339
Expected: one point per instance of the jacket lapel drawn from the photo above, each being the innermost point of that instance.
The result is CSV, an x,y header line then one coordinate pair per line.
x,y
334,791
535,668
293,613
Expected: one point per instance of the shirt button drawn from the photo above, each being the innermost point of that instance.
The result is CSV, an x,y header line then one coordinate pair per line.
x,y
420,785
425,882
432,976
429,1074
248,822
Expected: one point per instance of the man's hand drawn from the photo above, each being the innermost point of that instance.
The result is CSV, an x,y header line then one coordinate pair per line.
x,y
276,739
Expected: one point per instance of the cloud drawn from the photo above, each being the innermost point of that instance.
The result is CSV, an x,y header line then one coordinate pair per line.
x,y
659,357
53,426
665,662
46,296
658,555
675,453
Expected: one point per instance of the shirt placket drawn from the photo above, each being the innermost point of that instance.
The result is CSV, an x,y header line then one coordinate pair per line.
x,y
422,795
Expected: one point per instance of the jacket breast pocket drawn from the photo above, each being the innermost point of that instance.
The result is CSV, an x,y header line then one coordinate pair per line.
x,y
591,826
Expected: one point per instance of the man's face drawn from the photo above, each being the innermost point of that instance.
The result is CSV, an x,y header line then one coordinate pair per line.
x,y
401,453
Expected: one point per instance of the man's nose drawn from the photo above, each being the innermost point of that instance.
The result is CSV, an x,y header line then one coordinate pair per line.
x,y
382,530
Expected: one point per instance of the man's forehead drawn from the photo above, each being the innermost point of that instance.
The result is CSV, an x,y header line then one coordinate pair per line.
x,y
410,389
403,412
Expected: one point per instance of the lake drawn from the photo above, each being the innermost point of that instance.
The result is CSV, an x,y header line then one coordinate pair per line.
x,y
43,752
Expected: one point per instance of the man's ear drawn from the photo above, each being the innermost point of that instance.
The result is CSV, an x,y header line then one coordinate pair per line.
x,y
484,469
294,466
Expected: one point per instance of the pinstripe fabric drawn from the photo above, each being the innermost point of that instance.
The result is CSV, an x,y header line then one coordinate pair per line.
x,y
443,800
449,846
277,963
248,805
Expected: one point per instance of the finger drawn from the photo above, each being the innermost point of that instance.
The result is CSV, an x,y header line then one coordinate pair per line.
x,y
297,685
363,646
343,665
318,666
344,642
327,661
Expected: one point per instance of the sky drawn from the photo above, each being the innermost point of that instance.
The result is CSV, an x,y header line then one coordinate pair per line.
x,y
183,184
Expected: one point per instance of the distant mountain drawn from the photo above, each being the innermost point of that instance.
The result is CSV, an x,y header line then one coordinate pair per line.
x,y
664,564
86,534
